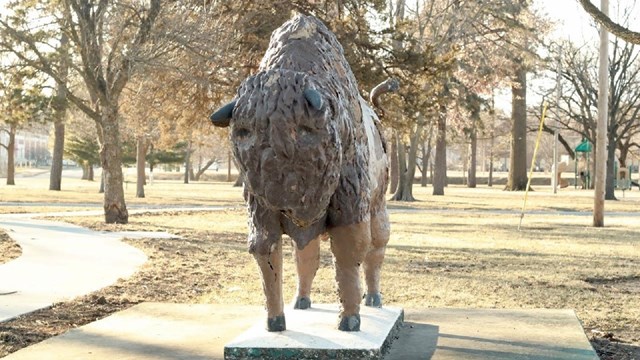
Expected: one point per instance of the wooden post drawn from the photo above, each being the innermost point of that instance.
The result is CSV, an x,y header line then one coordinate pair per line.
x,y
601,134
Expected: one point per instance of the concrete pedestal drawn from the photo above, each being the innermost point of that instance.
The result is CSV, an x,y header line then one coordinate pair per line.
x,y
152,331
313,334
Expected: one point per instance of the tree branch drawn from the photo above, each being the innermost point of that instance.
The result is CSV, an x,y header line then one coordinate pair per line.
x,y
616,29
121,76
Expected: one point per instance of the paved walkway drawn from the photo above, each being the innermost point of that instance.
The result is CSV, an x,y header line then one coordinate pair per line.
x,y
157,331
61,261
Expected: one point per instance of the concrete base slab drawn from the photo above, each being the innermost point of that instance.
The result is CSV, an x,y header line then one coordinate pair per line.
x,y
313,334
188,332
484,334
150,331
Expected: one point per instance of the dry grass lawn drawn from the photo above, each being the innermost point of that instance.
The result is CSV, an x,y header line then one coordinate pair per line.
x,y
31,195
463,249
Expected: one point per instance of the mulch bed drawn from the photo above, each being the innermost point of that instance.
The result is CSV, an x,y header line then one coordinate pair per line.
x,y
9,249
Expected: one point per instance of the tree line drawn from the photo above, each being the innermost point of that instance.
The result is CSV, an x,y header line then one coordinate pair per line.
x,y
133,80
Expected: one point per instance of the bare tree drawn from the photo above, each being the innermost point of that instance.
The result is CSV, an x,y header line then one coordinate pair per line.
x,y
109,39
579,99
467,46
21,103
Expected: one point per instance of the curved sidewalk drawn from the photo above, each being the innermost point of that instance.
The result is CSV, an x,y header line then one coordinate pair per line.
x,y
61,261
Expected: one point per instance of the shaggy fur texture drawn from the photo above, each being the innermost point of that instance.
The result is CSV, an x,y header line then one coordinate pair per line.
x,y
305,169
313,162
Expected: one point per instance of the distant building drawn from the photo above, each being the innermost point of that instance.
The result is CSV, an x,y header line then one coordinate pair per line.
x,y
31,148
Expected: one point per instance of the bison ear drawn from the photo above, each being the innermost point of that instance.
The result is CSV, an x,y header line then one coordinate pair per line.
x,y
313,98
222,117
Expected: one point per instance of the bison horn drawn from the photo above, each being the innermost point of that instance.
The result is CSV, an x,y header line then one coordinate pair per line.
x,y
222,117
389,85
313,98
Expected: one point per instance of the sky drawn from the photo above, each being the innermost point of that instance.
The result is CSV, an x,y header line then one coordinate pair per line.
x,y
574,24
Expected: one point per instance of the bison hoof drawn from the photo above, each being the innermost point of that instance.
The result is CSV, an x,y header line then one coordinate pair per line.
x,y
276,323
373,300
350,323
302,303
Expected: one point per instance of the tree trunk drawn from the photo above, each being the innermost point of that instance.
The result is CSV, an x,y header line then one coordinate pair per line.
x,y
85,171
609,191
141,152
490,178
425,165
395,181
206,166
426,155
187,163
413,157
229,166
11,154
624,153
431,171
90,176
115,209
473,150
60,103
518,162
410,174
440,171
492,142
101,189
238,182
405,192
393,164
402,168
55,178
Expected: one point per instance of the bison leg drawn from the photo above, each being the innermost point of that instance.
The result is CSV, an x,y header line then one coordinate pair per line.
x,y
375,256
271,268
349,245
307,263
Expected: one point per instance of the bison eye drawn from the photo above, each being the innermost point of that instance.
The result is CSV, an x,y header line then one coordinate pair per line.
x,y
241,133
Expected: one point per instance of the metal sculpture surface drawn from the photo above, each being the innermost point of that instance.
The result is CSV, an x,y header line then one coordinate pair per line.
x,y
314,163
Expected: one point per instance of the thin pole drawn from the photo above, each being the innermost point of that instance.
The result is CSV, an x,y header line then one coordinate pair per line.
x,y
601,134
533,162
554,179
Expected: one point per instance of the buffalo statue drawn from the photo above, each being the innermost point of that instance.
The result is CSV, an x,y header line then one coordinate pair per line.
x,y
313,163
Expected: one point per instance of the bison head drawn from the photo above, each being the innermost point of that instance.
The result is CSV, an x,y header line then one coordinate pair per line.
x,y
286,142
